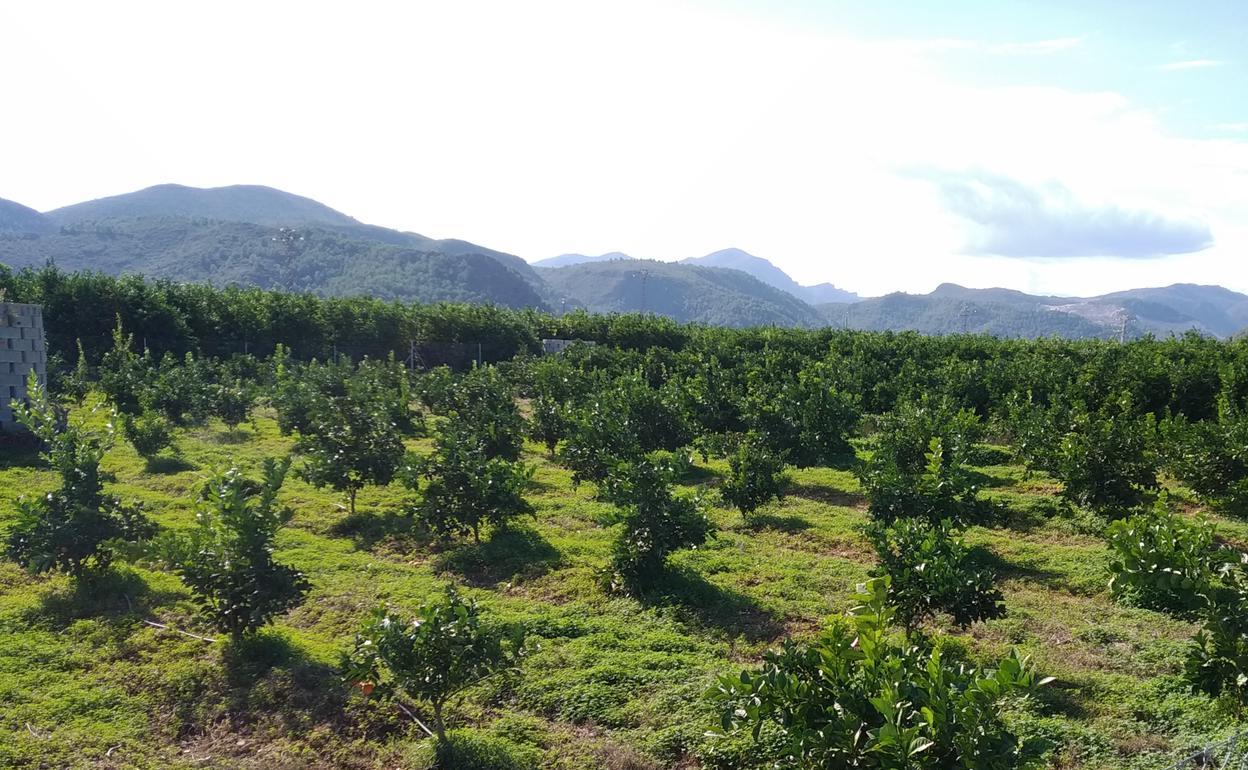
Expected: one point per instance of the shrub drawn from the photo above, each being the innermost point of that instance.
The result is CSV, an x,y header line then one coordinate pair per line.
x,y
856,697
433,656
931,571
77,384
942,488
1211,456
123,373
623,421
232,401
1163,561
227,561
488,400
803,415
349,443
181,390
149,433
1217,658
654,522
76,527
1106,462
756,476
553,385
466,486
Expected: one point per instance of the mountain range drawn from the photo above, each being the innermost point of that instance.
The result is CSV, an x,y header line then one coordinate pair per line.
x,y
254,235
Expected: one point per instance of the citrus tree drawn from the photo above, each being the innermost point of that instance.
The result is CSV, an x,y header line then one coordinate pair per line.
x,y
227,560
856,696
465,486
75,527
654,522
433,655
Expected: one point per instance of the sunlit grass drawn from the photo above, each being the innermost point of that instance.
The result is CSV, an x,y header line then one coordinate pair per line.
x,y
85,683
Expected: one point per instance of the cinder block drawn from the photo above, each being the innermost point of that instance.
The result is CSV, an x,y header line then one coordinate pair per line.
x,y
12,356
7,332
21,344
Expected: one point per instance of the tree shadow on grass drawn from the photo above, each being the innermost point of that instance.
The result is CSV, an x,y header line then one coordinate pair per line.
x,y
985,558
761,521
169,464
827,495
367,530
987,480
510,553
706,604
232,437
267,674
118,597
19,451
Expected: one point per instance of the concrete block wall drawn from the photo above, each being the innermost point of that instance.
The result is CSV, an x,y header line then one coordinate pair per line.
x,y
22,350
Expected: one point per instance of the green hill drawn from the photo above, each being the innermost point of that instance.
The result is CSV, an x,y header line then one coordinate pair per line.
x,y
295,259
687,293
236,203
16,218
951,309
261,205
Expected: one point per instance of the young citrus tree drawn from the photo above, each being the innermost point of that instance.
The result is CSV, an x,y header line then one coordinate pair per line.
x,y
149,433
654,522
756,476
433,656
350,444
73,528
227,561
858,697
465,487
931,571
1107,462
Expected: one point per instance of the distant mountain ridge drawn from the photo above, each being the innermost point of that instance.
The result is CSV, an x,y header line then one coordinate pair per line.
x,y
16,218
951,309
254,235
687,293
567,260
771,275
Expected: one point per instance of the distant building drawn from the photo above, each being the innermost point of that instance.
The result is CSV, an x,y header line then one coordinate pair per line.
x,y
558,346
22,350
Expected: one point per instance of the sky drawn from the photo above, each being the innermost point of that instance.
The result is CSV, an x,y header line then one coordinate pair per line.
x,y
1062,147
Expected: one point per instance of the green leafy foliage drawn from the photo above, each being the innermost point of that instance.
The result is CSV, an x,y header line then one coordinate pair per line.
x,y
1211,456
856,697
1107,462
431,657
180,390
554,386
485,395
931,571
622,421
1164,560
232,401
654,522
465,486
123,373
756,476
149,433
1217,658
76,527
803,414
227,560
345,418
940,488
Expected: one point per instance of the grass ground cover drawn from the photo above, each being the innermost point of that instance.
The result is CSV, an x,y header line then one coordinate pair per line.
x,y
615,682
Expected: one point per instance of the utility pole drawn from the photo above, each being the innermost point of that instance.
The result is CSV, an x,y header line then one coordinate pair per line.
x,y
645,274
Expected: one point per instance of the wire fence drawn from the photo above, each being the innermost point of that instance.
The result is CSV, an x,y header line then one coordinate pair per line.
x,y
1228,754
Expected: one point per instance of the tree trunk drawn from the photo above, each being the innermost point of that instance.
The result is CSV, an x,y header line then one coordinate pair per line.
x,y
351,500
438,728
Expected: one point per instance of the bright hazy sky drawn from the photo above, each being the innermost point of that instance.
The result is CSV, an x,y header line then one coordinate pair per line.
x,y
1059,147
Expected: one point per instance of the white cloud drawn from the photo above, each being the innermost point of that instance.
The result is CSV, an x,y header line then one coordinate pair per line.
x,y
1190,64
